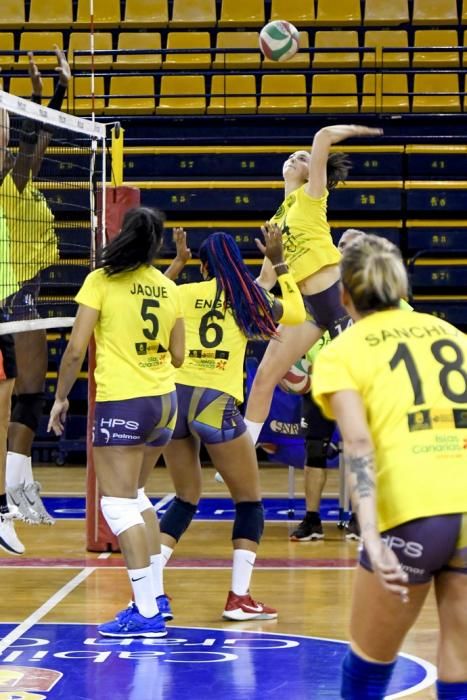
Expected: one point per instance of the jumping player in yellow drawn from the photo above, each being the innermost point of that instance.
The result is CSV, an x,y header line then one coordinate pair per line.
x,y
312,257
32,247
135,314
396,382
221,315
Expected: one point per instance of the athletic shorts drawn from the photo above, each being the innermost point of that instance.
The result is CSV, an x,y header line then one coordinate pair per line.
x,y
327,311
427,546
318,432
149,420
22,305
7,357
209,414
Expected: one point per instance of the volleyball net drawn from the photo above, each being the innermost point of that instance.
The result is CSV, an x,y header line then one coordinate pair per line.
x,y
52,211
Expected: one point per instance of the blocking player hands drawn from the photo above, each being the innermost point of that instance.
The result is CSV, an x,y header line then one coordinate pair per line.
x,y
272,247
63,69
183,253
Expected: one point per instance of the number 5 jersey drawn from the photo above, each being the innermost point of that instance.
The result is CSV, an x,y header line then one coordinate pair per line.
x,y
138,310
411,372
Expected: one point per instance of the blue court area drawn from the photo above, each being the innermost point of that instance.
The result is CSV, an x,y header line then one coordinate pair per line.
x,y
63,662
71,507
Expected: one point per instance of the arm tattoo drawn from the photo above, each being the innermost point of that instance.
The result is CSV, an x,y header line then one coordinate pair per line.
x,y
363,470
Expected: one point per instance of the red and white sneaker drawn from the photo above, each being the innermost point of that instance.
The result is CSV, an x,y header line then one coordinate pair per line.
x,y
243,607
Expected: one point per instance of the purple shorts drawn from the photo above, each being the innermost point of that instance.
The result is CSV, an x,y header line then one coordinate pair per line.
x,y
427,546
327,310
149,420
22,305
209,414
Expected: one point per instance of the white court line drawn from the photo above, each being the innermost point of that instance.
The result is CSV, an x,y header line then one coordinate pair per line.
x,y
160,504
49,605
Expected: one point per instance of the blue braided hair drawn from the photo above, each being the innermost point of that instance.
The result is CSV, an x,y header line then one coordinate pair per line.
x,y
248,302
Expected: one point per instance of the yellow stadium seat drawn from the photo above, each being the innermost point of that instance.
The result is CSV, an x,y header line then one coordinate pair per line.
x,y
12,14
435,59
22,88
7,43
131,94
336,39
242,13
79,41
299,12
40,41
283,94
139,40
330,86
338,14
385,38
233,94
145,14
237,40
430,92
188,40
300,61
106,14
464,12
381,13
193,13
182,94
53,14
80,99
464,53
392,93
434,12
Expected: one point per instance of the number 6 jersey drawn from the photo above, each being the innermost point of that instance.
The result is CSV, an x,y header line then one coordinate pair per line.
x,y
411,372
138,310
215,345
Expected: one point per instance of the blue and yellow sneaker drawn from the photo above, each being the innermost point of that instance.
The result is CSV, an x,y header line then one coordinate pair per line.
x,y
129,623
163,603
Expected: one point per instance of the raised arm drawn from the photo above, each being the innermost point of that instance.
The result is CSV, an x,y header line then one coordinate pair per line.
x,y
289,310
359,456
183,254
322,142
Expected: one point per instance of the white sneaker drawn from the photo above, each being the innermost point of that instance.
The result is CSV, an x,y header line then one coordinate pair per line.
x,y
218,478
17,499
8,538
34,500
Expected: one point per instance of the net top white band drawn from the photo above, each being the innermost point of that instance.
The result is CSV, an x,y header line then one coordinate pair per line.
x,y
26,108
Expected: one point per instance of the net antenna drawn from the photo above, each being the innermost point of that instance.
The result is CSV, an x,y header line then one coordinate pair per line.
x,y
50,227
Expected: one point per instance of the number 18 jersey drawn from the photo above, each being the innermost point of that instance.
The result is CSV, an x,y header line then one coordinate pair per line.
x,y
215,345
411,372
138,310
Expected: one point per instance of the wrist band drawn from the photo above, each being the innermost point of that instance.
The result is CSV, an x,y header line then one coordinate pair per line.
x,y
281,264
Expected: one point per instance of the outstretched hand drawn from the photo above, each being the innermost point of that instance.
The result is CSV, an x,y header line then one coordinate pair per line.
x,y
34,74
63,68
183,253
272,247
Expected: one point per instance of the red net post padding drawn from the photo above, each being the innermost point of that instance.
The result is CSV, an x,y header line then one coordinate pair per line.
x,y
98,536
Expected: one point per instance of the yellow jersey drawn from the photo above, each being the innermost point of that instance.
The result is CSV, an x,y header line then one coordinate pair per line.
x,y
215,345
306,234
31,226
411,371
138,310
8,282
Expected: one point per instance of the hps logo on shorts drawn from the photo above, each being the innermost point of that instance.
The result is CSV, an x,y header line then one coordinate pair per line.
x,y
53,662
108,425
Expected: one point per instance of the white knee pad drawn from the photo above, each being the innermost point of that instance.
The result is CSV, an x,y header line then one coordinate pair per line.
x,y
143,501
121,513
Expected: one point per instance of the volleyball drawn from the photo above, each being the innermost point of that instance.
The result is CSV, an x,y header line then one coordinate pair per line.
x,y
298,378
278,40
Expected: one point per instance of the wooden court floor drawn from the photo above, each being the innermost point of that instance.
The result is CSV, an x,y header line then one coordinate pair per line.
x,y
58,581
